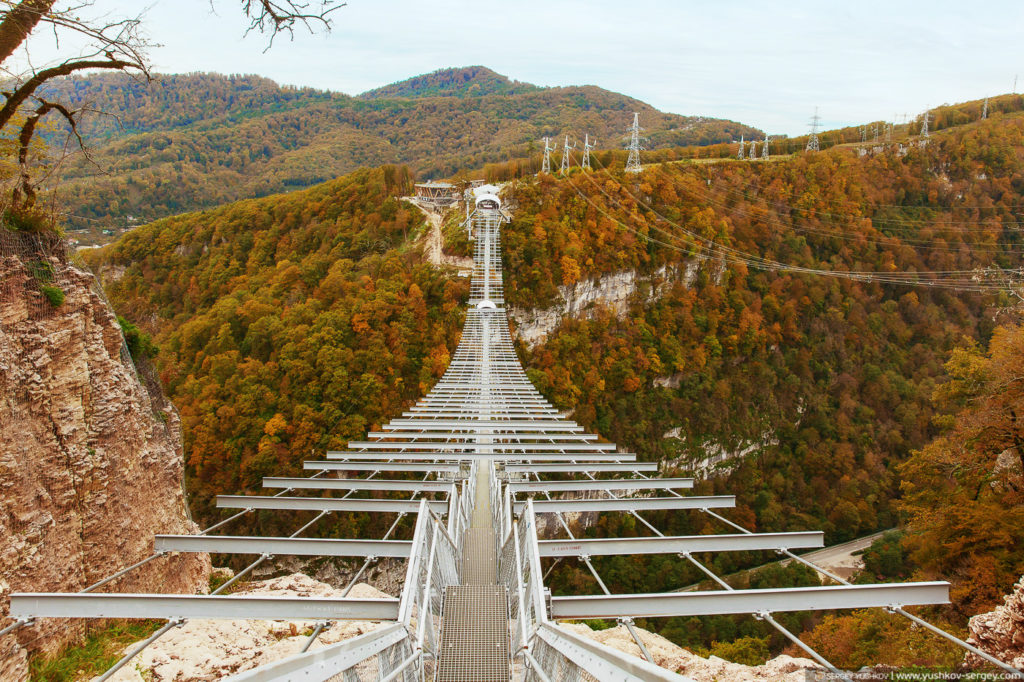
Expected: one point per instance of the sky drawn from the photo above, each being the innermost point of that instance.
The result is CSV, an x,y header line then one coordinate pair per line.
x,y
764,64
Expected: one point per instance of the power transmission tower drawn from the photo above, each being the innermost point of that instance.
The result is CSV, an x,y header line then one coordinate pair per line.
x,y
812,142
586,152
741,155
565,156
764,147
545,166
753,150
924,124
984,109
633,162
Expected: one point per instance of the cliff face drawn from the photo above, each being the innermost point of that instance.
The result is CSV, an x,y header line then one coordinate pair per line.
x,y
577,300
1000,632
89,472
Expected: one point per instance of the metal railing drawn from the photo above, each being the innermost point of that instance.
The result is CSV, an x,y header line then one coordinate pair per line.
x,y
549,652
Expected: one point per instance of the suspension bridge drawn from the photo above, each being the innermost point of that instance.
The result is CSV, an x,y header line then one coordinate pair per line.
x,y
493,456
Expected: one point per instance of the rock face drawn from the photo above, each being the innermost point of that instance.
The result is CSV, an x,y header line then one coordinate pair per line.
x,y
89,472
212,649
1000,632
712,669
612,291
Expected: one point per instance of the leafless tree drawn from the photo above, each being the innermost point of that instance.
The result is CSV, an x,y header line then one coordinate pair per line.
x,y
109,44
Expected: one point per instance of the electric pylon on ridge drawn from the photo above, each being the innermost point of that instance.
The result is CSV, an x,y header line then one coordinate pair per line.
x,y
764,147
633,162
984,109
545,166
753,150
742,153
924,124
587,147
812,142
565,155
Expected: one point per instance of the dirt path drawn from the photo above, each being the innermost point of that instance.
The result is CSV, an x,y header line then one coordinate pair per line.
x,y
433,241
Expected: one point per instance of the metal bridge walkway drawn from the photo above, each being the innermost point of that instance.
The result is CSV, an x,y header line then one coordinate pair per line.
x,y
474,625
473,603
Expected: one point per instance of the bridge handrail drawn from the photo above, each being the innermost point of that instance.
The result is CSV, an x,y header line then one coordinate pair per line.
x,y
391,642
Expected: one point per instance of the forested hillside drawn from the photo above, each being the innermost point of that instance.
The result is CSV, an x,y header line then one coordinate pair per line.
x,y
287,325
193,141
471,80
291,324
834,388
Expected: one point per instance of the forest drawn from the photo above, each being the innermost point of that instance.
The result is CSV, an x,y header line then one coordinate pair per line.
x,y
186,142
291,324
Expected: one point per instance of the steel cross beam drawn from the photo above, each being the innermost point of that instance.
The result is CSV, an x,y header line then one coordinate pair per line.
x,y
47,605
460,455
586,485
378,484
235,544
447,446
627,504
681,544
381,466
580,468
722,602
439,507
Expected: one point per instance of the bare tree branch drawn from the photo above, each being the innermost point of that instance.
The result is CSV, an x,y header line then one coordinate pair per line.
x,y
277,16
17,98
18,22
26,188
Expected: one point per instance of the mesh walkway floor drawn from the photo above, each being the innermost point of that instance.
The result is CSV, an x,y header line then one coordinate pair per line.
x,y
474,635
474,620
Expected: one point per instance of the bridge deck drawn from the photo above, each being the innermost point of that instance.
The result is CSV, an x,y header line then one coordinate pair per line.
x,y
474,624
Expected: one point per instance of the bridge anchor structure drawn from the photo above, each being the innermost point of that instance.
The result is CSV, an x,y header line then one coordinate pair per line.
x,y
476,463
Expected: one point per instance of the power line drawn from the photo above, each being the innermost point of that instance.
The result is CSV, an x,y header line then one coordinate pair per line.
x,y
964,280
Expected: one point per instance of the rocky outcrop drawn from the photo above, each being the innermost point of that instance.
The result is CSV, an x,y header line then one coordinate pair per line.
x,y
1000,632
213,649
611,291
700,669
707,458
88,470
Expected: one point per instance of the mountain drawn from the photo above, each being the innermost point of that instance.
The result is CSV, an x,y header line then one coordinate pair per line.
x,y
295,322
195,141
469,81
